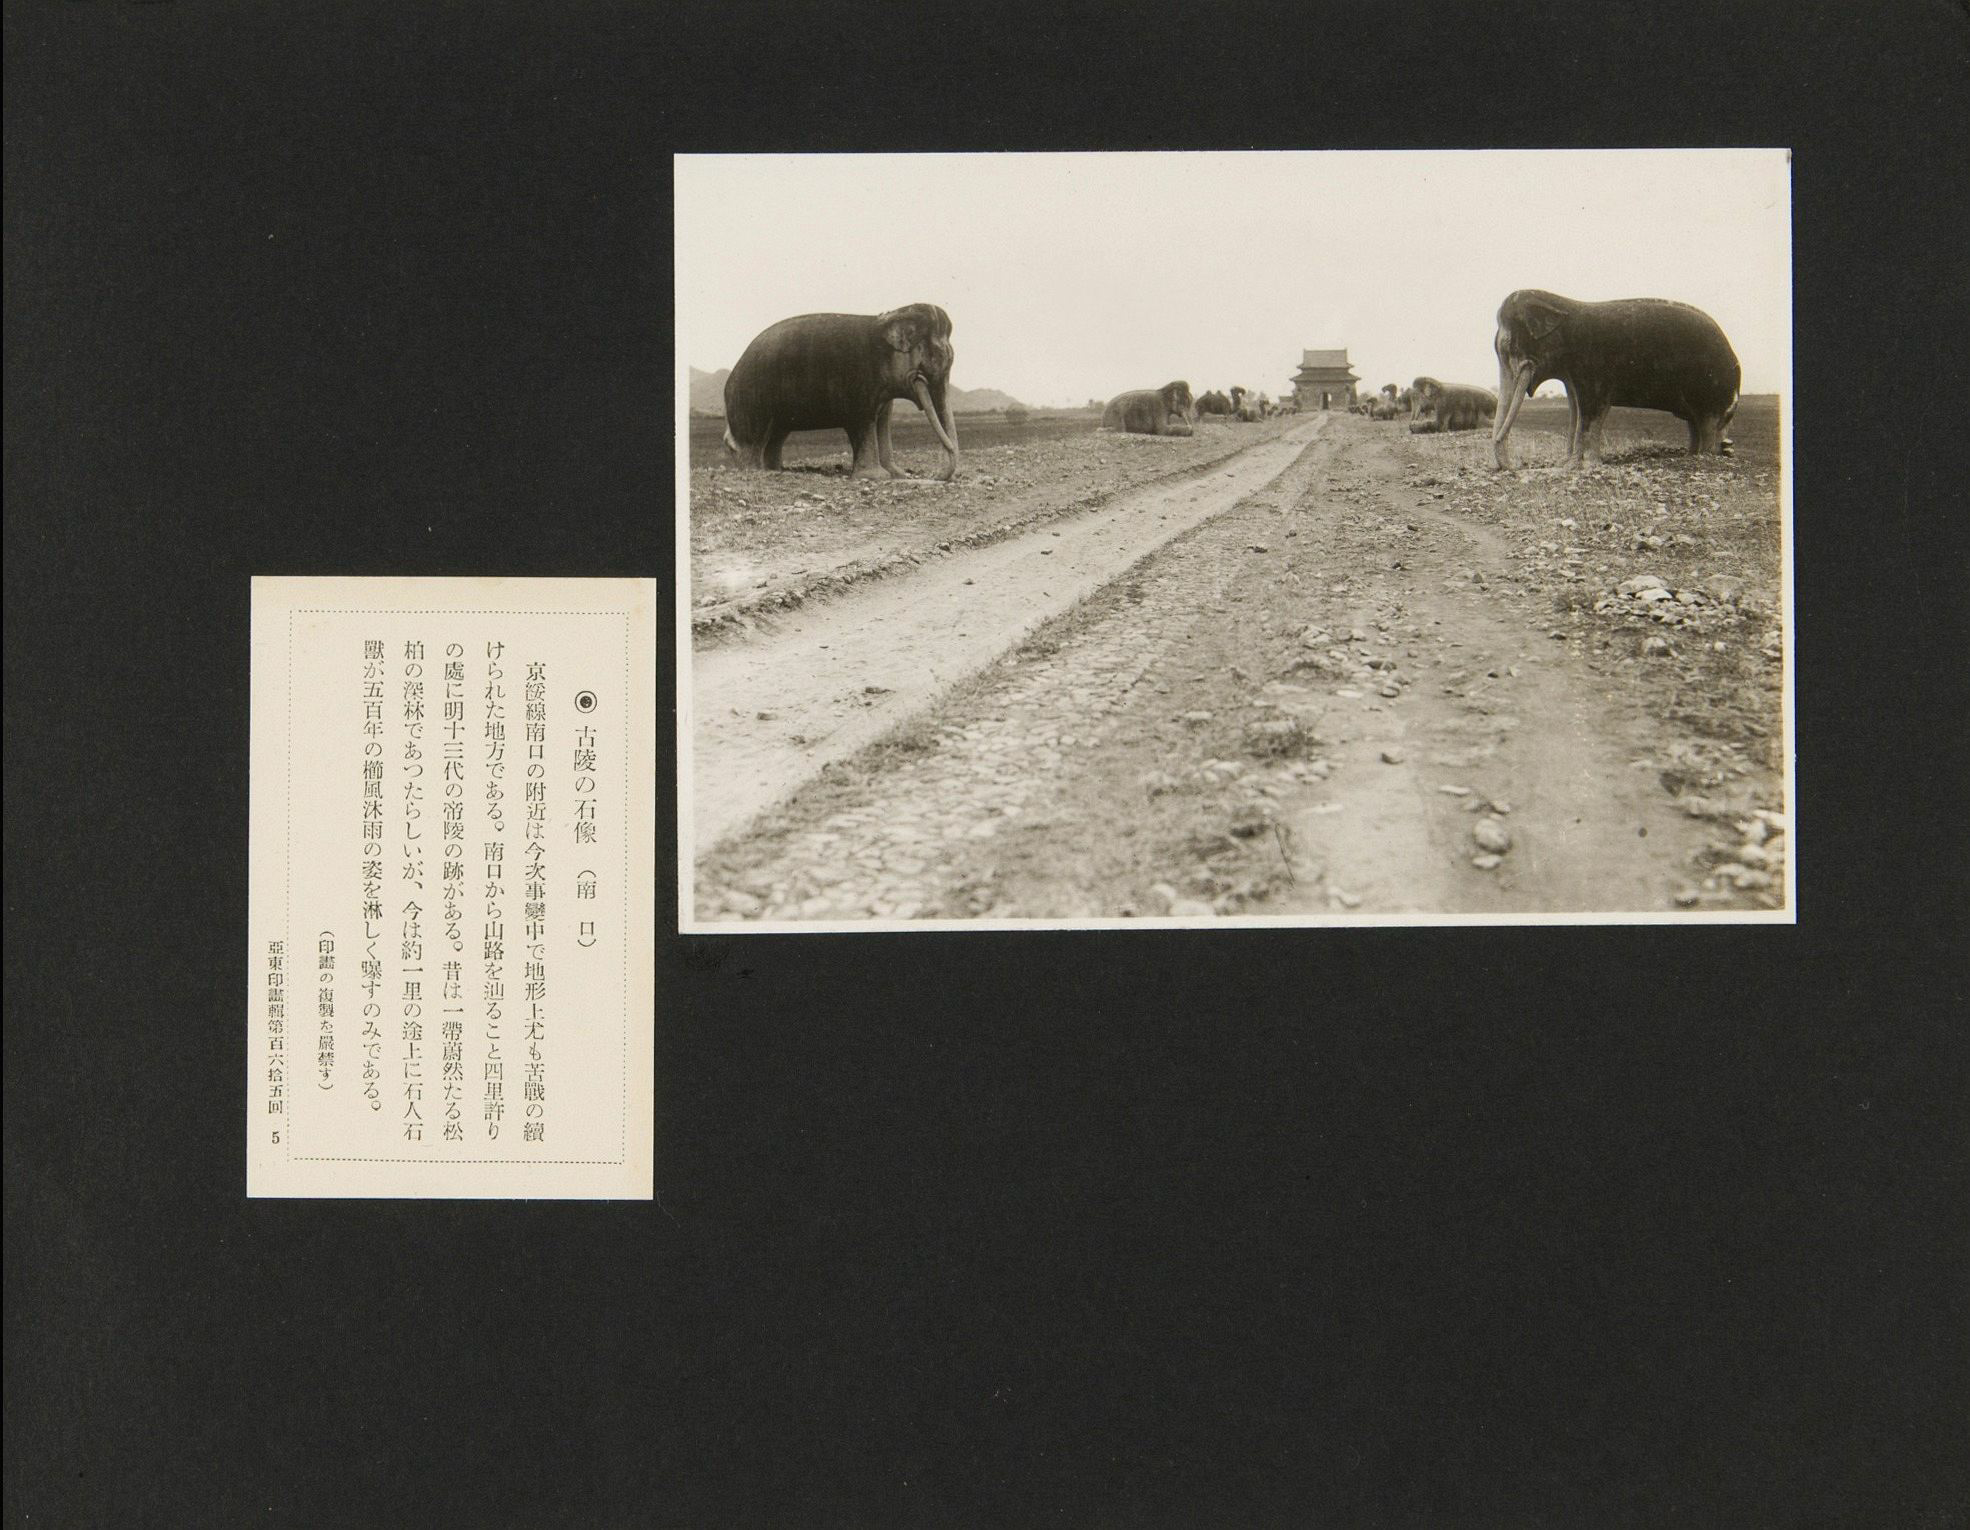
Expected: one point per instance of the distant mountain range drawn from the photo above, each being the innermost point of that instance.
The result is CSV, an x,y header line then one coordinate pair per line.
x,y
708,390
981,401
708,395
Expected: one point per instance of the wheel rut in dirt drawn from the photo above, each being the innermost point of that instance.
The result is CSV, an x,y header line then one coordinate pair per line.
x,y
771,712
1476,721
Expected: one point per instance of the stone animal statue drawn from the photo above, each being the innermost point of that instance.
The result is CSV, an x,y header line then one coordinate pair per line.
x,y
1636,353
1165,411
1385,404
1450,406
843,371
1213,403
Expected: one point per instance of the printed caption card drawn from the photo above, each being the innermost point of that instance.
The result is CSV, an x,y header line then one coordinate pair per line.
x,y
451,888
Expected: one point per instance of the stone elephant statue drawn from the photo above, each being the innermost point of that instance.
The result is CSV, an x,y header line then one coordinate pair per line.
x,y
1638,353
1165,411
843,371
1444,406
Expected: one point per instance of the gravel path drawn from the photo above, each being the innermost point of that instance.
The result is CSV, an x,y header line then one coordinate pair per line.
x,y
769,713
1338,697
767,542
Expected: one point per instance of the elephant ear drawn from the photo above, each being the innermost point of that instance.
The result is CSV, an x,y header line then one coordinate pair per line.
x,y
1538,315
901,329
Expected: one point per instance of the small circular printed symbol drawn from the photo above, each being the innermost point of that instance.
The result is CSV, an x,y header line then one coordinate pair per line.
x,y
585,701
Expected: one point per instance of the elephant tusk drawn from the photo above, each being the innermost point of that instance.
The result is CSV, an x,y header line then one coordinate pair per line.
x,y
921,390
946,437
1513,383
951,431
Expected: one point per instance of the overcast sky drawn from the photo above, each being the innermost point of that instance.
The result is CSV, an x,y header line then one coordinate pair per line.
x,y
1075,276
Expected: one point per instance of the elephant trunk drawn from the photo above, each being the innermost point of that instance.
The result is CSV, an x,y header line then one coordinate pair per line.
x,y
946,428
1513,385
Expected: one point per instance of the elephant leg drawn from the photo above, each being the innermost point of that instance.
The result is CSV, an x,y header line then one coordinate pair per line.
x,y
1594,423
885,451
770,452
745,444
862,440
1579,419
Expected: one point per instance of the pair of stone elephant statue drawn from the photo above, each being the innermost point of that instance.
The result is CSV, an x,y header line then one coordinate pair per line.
x,y
846,371
1423,404
1636,353
1439,406
1389,404
1165,411
843,371
1429,405
1171,410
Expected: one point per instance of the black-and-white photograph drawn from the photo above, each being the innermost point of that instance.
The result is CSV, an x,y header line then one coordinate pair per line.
x,y
1207,538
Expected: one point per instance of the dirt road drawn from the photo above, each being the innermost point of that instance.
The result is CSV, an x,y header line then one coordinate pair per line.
x,y
764,543
770,713
1492,722
1342,685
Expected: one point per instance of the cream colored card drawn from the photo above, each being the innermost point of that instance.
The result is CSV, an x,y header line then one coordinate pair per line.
x,y
451,919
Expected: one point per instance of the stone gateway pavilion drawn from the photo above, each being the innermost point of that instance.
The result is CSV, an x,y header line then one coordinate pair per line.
x,y
1324,380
